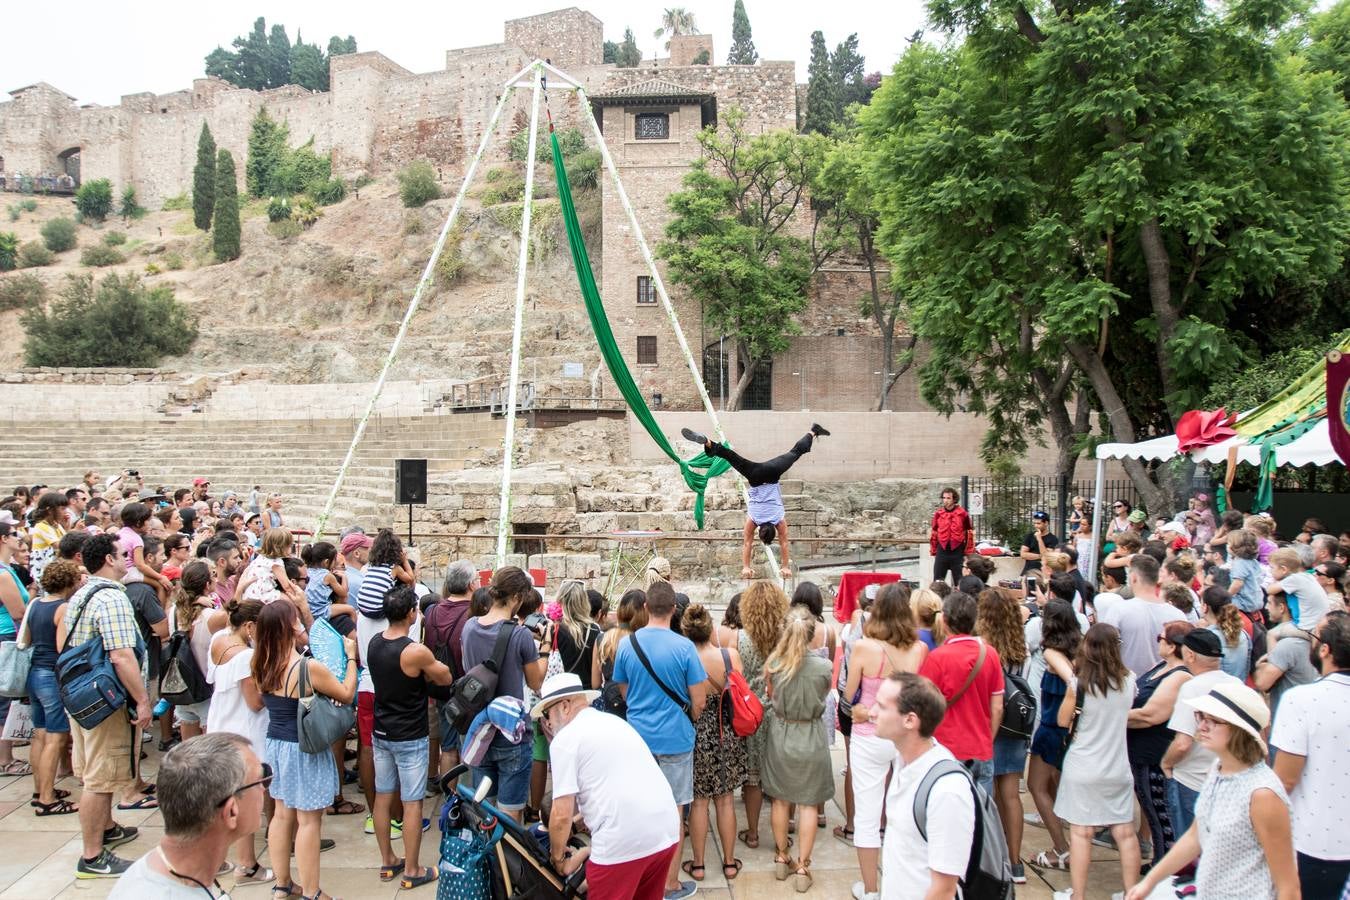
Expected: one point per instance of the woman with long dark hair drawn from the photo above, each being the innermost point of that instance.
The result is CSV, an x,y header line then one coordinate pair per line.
x,y
628,618
303,784
1096,787
1060,638
999,623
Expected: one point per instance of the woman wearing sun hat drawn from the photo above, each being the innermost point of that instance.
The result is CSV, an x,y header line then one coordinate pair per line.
x,y
1242,814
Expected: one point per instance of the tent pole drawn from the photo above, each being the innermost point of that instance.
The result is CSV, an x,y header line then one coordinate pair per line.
x,y
522,268
660,285
1096,520
428,274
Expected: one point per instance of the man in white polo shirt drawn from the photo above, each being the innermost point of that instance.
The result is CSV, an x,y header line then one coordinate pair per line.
x,y
907,711
602,768
1311,736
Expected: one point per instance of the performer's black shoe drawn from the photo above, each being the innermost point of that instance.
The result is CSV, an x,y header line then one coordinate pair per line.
x,y
690,434
819,430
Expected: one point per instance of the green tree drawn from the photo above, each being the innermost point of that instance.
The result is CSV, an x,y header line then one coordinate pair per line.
x,y
1095,211
298,170
340,47
742,51
730,241
1328,43
629,56
129,208
9,251
94,199
223,64
417,184
676,20
117,322
225,230
309,65
848,65
266,152
822,91
252,57
610,52
59,235
204,179
278,57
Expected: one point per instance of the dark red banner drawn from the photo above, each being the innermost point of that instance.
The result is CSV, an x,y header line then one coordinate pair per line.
x,y
1338,416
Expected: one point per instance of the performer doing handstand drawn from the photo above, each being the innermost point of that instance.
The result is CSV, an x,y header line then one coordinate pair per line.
x,y
765,514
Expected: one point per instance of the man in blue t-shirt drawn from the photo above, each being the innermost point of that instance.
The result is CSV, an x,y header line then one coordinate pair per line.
x,y
665,723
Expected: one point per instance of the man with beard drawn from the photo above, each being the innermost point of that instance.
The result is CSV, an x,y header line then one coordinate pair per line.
x,y
223,555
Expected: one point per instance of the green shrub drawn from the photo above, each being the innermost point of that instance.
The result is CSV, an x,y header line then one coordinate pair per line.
x,y
278,208
285,229
21,292
115,238
101,255
570,141
509,189
327,191
173,260
117,322
94,199
14,212
152,269
496,174
59,235
449,265
9,251
177,204
130,209
305,213
34,254
417,184
412,224
28,205
583,170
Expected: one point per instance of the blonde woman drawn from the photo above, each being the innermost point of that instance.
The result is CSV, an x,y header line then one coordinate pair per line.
x,y
795,766
763,609
927,608
890,643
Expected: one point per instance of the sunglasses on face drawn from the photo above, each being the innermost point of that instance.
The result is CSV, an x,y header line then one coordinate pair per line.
x,y
264,781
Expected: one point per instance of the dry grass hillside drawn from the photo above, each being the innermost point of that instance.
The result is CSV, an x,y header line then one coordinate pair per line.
x,y
323,306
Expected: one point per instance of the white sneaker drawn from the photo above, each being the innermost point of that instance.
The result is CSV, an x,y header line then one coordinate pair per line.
x,y
860,894
1066,894
1032,818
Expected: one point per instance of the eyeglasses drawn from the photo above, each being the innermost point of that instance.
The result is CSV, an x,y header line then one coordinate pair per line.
x,y
1207,721
265,780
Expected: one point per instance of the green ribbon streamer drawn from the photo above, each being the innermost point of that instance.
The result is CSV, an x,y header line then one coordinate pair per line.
x,y
696,471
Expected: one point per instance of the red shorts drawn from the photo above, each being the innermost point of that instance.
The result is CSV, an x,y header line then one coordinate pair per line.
x,y
638,879
365,717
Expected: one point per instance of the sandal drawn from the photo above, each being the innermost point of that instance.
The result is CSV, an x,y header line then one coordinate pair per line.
x,y
287,891
801,878
688,867
749,838
844,833
140,803
345,807
783,865
58,808
413,881
58,793
731,870
16,767
389,873
255,875
1052,859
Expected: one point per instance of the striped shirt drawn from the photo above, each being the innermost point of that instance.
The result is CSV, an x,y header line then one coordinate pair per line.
x,y
766,504
375,583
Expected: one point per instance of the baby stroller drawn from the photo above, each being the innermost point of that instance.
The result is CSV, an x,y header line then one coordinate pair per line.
x,y
487,855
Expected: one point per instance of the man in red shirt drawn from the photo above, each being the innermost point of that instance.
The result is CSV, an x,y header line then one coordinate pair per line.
x,y
970,676
951,537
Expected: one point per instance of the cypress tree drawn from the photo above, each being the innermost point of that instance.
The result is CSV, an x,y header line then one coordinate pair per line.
x,y
225,234
743,51
204,180
822,91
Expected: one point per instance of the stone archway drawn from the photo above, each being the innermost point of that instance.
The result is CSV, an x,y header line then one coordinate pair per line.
x,y
69,161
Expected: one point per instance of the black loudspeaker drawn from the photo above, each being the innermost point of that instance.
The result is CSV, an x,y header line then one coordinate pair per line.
x,y
410,481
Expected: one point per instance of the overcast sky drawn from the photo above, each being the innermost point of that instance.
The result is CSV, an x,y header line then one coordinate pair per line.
x,y
98,51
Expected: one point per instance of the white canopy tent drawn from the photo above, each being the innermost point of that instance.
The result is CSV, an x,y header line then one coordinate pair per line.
x,y
1313,448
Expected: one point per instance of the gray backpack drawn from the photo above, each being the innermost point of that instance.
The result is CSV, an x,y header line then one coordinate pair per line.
x,y
989,872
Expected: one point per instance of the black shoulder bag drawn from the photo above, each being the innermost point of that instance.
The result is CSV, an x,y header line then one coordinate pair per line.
x,y
682,702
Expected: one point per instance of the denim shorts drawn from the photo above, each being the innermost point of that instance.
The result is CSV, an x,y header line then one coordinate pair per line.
x,y
402,765
193,714
679,771
450,738
1010,755
45,696
508,765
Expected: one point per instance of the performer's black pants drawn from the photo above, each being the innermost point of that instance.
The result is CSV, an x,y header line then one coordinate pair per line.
x,y
769,472
949,562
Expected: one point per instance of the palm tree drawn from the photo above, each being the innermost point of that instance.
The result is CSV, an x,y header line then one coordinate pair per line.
x,y
676,20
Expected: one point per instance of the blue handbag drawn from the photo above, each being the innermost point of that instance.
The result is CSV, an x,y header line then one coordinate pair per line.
x,y
90,688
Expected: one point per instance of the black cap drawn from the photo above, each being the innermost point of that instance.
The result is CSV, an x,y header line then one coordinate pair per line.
x,y
1203,642
1042,515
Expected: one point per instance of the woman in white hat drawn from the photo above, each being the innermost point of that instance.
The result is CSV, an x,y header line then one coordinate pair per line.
x,y
1242,814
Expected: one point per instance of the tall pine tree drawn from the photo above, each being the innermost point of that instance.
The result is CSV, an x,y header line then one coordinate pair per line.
x,y
204,180
225,234
822,90
278,57
629,56
743,51
266,149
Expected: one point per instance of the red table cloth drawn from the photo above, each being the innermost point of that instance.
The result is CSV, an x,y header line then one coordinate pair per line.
x,y
851,584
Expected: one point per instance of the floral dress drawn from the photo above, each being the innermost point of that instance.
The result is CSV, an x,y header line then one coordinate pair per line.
x,y
719,753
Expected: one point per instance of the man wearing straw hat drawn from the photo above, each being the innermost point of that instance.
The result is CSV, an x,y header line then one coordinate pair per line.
x,y
603,769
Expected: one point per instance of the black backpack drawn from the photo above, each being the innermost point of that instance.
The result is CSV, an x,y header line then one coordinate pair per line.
x,y
989,872
471,694
443,629
182,682
1019,708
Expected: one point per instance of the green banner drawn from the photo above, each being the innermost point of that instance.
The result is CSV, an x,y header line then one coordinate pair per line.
x,y
696,471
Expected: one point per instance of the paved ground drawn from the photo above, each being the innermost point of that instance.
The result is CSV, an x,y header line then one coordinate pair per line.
x,y
38,859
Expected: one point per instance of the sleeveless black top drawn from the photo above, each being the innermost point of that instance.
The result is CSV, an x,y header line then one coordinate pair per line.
x,y
1146,746
400,700
41,616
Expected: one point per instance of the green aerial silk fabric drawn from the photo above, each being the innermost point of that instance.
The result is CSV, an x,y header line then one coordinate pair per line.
x,y
696,471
